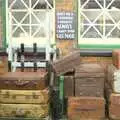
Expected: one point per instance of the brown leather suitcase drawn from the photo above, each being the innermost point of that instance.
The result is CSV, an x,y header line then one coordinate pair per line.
x,y
24,81
24,110
69,86
67,63
114,106
116,58
89,70
86,108
24,96
89,87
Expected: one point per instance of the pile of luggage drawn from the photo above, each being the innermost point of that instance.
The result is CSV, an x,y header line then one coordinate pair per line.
x,y
24,94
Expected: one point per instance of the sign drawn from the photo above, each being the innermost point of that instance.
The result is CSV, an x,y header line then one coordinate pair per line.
x,y
65,25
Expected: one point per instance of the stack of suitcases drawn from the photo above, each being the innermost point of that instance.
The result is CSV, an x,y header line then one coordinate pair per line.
x,y
24,95
113,86
88,102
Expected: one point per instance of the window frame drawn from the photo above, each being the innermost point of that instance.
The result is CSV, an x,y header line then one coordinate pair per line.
x,y
7,30
95,43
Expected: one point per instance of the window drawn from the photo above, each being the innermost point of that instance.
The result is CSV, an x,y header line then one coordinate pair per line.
x,y
31,20
99,22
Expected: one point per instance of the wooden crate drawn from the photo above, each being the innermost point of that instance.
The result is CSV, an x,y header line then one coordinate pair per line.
x,y
80,108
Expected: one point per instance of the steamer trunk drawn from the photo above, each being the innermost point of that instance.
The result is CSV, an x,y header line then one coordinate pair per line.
x,y
24,81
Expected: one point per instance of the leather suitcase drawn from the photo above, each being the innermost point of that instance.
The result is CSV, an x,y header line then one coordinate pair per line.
x,y
116,58
89,87
24,96
24,110
24,81
67,63
89,70
69,86
86,108
114,106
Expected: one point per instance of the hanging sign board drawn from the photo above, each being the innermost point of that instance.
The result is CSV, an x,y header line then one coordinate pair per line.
x,y
65,25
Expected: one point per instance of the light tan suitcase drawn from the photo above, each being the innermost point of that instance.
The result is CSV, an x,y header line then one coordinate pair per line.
x,y
24,110
24,96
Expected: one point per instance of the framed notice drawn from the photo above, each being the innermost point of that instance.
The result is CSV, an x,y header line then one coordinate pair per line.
x,y
65,25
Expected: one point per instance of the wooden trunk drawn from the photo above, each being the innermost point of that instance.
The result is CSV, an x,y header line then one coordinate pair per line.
x,y
24,110
24,81
24,96
86,108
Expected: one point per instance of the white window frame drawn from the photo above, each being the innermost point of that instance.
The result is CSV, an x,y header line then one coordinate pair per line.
x,y
50,17
104,40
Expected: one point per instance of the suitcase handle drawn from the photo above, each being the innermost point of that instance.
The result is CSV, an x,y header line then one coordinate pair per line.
x,y
21,82
20,113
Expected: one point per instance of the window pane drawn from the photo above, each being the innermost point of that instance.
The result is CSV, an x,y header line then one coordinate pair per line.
x,y
88,16
91,32
41,4
91,4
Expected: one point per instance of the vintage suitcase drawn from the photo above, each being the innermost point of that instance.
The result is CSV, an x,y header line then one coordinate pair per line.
x,y
67,63
69,86
24,110
24,96
89,70
116,58
114,106
89,87
24,81
86,108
